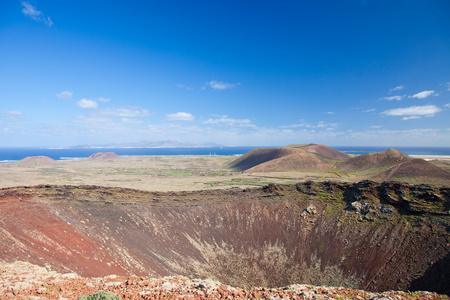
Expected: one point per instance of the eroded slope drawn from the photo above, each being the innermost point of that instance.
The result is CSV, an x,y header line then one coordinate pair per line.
x,y
366,235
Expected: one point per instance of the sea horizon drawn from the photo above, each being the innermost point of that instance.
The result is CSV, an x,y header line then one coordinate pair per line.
x,y
13,154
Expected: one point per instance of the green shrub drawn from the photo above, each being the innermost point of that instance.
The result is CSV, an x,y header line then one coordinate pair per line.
x,y
100,296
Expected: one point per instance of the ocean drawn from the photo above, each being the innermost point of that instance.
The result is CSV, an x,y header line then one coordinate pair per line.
x,y
16,154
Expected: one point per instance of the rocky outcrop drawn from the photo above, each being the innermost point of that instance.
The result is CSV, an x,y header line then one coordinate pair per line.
x,y
21,280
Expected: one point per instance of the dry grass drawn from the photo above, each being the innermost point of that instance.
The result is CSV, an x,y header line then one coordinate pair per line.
x,y
155,173
151,173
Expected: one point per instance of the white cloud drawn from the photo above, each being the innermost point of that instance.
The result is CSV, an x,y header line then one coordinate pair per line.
x,y
187,88
413,112
320,124
29,10
224,120
87,104
398,98
447,105
220,85
375,126
397,88
13,115
369,110
411,118
131,121
422,95
126,112
66,95
180,116
36,15
330,112
101,99
92,119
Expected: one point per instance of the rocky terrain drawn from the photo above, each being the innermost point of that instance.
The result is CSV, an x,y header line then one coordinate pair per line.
x,y
21,280
365,236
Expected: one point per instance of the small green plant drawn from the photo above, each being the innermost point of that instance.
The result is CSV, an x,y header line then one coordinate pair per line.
x,y
100,296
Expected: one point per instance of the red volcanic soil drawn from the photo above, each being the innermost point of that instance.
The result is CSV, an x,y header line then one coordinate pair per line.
x,y
416,170
104,155
35,160
373,162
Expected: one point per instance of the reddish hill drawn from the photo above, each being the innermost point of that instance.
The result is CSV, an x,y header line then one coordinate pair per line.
x,y
260,155
311,157
301,161
373,162
322,151
35,161
104,155
415,171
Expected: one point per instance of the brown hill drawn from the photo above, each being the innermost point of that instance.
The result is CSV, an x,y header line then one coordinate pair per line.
x,y
258,156
322,151
300,161
35,161
104,155
415,171
310,157
373,162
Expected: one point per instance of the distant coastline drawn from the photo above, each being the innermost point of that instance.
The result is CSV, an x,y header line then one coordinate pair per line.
x,y
16,154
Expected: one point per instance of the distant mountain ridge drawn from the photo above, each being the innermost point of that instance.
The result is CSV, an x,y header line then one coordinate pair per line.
x,y
146,144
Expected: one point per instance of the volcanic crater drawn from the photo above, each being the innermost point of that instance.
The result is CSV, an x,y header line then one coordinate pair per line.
x,y
366,235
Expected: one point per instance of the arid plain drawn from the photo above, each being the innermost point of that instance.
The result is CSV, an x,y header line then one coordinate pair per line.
x,y
161,173
150,173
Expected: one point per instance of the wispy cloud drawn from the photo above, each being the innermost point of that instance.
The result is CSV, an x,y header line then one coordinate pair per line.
x,y
397,88
36,15
101,99
220,85
225,120
126,112
413,112
369,110
110,119
180,116
422,95
13,115
330,112
320,124
87,104
411,118
398,98
181,86
66,95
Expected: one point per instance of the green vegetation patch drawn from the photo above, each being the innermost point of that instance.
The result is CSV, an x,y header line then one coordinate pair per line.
x,y
100,296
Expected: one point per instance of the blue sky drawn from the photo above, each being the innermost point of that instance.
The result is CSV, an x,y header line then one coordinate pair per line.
x,y
257,73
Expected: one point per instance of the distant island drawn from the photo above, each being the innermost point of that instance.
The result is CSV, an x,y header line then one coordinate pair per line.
x,y
148,144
